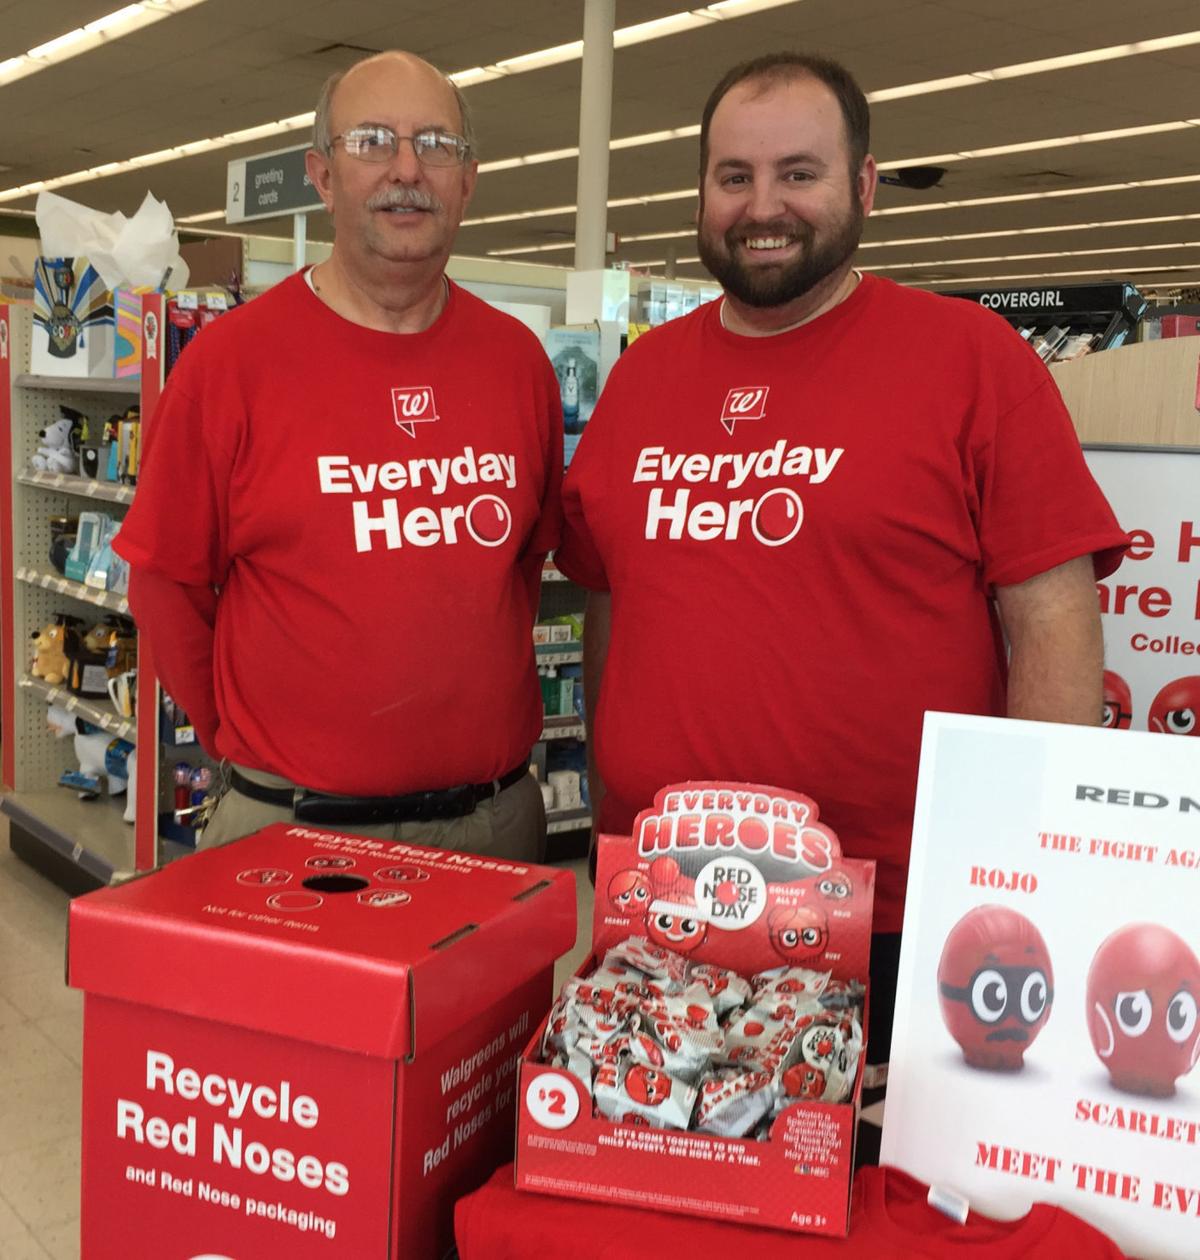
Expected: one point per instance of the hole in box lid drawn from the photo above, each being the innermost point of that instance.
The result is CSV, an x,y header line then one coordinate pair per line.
x,y
335,883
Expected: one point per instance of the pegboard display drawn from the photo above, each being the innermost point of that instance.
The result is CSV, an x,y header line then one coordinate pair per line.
x,y
91,832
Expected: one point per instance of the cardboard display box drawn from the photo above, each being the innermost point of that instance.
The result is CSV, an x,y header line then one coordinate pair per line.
x,y
72,320
305,1044
754,854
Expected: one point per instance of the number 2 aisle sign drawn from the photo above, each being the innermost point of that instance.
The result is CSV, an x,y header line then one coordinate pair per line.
x,y
1046,1035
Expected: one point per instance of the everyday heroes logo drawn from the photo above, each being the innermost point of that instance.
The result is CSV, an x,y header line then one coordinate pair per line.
x,y
486,519
772,517
744,403
413,405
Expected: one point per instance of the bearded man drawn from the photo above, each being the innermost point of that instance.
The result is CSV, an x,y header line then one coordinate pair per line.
x,y
811,511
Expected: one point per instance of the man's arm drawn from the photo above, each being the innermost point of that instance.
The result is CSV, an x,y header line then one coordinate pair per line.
x,y
178,622
597,621
1057,652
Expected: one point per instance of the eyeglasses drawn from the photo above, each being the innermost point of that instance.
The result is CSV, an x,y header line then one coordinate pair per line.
x,y
380,144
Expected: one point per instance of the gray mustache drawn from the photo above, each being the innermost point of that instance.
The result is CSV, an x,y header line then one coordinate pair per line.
x,y
411,198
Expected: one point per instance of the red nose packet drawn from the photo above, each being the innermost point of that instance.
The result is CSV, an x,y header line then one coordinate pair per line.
x,y
727,989
637,1089
733,1101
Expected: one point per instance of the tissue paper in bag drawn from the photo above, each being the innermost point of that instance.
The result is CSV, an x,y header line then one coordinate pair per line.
x,y
87,254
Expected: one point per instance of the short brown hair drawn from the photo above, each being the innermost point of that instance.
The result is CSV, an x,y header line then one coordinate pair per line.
x,y
786,67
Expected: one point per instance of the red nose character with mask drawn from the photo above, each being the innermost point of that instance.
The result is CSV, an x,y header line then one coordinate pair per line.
x,y
996,986
1118,703
1142,992
1176,708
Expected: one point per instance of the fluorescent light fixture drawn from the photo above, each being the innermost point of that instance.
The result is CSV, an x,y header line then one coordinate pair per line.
x,y
623,37
1113,52
1028,231
1031,146
112,26
207,217
897,242
296,123
1054,253
1191,265
1038,196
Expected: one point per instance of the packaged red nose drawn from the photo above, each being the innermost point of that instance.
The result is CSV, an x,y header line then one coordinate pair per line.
x,y
736,883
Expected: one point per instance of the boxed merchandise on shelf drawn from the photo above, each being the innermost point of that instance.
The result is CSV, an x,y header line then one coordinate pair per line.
x,y
72,319
717,879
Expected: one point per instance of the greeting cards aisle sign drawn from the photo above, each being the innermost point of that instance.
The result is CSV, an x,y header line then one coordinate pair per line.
x,y
1151,605
1046,1020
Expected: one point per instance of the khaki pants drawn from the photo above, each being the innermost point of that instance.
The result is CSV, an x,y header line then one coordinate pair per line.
x,y
511,825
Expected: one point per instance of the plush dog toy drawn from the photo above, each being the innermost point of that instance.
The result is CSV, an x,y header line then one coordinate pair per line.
x,y
50,655
58,452
99,754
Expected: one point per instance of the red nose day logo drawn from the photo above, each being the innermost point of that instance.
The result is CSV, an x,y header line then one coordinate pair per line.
x,y
413,405
744,403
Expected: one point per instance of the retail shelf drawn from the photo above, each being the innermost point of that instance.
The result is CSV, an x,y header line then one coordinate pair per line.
x,y
128,385
558,653
567,727
85,487
96,712
64,586
560,820
92,834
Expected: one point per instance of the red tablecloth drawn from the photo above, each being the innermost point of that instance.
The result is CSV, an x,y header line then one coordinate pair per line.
x,y
890,1220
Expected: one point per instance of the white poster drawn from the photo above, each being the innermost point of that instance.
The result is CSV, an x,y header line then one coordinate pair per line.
x,y
1046,1019
1151,605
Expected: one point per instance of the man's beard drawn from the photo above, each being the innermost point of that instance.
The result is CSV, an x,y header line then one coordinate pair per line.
x,y
768,285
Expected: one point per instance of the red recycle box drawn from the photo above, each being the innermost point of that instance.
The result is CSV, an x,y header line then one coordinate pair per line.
x,y
755,854
305,1044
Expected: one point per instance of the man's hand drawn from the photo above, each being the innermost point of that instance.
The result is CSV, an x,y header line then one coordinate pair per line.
x,y
1057,649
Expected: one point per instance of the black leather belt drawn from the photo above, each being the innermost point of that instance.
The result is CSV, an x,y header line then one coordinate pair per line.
x,y
325,807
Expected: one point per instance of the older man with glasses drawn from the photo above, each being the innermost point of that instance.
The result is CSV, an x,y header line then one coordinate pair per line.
x,y
348,490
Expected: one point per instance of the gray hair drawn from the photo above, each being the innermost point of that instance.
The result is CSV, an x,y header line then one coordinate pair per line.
x,y
322,131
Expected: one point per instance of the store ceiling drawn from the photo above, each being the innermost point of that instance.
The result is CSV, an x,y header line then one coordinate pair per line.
x,y
226,65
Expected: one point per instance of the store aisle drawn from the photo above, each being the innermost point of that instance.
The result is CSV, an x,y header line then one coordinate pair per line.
x,y
41,1023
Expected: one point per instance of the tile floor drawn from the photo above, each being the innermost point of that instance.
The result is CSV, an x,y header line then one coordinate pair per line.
x,y
41,1027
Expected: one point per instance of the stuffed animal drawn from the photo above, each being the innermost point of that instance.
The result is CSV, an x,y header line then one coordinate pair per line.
x,y
99,754
58,452
50,657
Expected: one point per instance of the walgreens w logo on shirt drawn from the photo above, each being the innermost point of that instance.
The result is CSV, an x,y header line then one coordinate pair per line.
x,y
772,516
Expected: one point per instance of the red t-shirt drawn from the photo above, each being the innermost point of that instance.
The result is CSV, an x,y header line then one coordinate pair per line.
x,y
801,534
889,1220
365,502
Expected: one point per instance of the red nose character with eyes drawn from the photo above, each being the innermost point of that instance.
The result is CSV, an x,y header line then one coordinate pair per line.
x,y
804,1081
1142,992
835,885
996,986
673,920
1118,703
629,892
647,1085
1176,708
798,932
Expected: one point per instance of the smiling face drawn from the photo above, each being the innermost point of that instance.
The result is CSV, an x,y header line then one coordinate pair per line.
x,y
397,211
780,209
